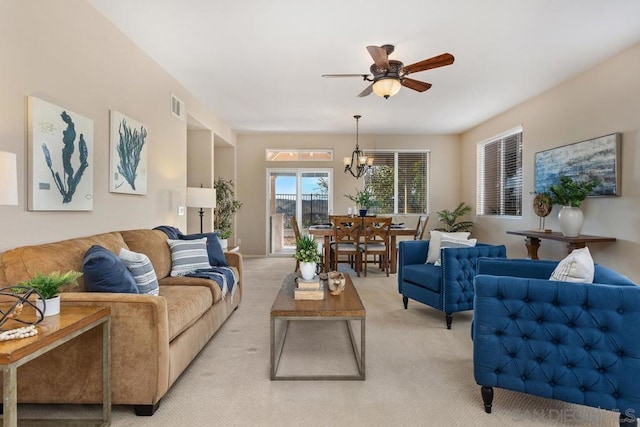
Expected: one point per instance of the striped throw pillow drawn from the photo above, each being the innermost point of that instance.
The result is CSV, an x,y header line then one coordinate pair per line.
x,y
142,270
188,256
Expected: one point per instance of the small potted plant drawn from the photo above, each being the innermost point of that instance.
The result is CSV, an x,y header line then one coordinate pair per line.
x,y
308,256
570,194
364,200
449,218
49,285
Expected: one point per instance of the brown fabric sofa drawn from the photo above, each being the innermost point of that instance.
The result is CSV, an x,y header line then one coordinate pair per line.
x,y
153,338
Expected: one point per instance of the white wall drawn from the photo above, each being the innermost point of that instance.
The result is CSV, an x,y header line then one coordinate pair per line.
x,y
67,53
598,102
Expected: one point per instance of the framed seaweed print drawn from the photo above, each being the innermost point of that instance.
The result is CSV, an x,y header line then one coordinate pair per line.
x,y
128,154
60,158
594,158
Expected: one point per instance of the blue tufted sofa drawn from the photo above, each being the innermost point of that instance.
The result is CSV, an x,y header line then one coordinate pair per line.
x,y
448,288
574,342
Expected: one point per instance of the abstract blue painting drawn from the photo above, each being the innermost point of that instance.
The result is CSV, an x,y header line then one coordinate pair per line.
x,y
597,158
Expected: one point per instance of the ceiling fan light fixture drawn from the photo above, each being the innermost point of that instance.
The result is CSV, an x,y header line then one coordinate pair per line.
x,y
386,87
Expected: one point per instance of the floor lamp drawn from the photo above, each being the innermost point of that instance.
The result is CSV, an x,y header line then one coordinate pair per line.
x,y
201,198
8,179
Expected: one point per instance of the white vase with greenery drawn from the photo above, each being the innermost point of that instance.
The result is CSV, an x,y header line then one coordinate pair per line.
x,y
48,286
570,193
308,256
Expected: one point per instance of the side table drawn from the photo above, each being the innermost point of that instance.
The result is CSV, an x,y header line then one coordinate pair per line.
x,y
54,331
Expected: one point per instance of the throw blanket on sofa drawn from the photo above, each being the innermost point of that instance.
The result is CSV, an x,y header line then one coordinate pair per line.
x,y
223,276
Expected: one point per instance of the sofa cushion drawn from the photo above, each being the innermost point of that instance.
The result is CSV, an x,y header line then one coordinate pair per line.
x,y
434,243
214,288
214,248
575,267
185,305
142,270
105,272
188,256
152,243
425,275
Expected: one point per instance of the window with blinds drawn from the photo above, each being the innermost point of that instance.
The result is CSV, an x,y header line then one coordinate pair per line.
x,y
399,181
499,181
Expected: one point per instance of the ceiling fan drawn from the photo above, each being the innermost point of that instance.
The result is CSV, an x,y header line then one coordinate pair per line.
x,y
388,75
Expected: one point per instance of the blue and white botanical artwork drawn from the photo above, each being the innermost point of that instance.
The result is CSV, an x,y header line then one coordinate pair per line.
x,y
597,158
60,158
128,155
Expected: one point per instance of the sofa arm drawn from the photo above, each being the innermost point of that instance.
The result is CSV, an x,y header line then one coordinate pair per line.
x,y
139,350
570,341
234,259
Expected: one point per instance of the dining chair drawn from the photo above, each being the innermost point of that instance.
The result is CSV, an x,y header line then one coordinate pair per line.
x,y
346,241
296,235
376,242
421,227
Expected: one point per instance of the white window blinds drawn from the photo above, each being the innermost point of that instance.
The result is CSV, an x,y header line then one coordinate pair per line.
x,y
499,181
399,181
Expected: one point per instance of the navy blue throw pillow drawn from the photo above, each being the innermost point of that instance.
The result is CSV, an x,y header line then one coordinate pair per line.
x,y
105,272
214,248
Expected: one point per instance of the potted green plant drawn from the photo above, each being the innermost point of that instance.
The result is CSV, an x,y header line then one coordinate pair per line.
x,y
49,285
364,199
226,208
308,256
570,194
450,218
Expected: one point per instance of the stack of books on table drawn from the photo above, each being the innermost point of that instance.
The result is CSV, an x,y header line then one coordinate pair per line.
x,y
308,289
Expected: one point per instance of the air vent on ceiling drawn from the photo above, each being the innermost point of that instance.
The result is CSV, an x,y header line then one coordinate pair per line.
x,y
177,107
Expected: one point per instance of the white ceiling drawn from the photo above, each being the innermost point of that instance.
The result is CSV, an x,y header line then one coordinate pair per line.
x,y
257,64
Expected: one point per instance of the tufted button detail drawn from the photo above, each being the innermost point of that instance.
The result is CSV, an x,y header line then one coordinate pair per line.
x,y
616,394
523,378
583,388
552,383
524,337
497,371
499,296
570,324
539,320
620,353
512,316
554,302
620,310
602,370
556,341
587,347
570,365
604,329
539,360
498,332
585,307
527,299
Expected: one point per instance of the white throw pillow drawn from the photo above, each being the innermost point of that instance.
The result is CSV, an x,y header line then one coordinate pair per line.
x,y
576,267
453,242
434,243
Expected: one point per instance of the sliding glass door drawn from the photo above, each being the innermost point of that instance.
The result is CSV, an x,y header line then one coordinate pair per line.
x,y
301,193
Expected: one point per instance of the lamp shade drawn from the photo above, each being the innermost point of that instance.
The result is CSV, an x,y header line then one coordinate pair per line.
x,y
386,87
198,197
8,179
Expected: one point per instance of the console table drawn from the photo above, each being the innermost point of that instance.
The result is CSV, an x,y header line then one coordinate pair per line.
x,y
532,241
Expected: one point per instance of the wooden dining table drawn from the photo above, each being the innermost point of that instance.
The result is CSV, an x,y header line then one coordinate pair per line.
x,y
326,231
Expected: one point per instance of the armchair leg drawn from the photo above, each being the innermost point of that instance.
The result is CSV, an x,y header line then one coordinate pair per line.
x,y
487,398
628,420
405,301
449,319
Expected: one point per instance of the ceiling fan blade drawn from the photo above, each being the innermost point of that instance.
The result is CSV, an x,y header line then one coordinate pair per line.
x,y
364,76
367,91
427,64
415,84
380,57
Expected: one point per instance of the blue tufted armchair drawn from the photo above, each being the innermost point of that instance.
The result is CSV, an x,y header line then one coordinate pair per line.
x,y
449,287
574,342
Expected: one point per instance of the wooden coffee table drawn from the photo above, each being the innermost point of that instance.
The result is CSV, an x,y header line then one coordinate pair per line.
x,y
345,307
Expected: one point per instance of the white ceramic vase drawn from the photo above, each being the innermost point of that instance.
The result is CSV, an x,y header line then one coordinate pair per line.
x,y
51,306
571,220
224,243
308,270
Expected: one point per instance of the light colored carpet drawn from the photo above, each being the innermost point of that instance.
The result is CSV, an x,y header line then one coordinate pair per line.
x,y
418,372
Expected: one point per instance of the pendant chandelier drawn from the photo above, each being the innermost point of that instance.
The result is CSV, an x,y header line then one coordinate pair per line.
x,y
358,164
